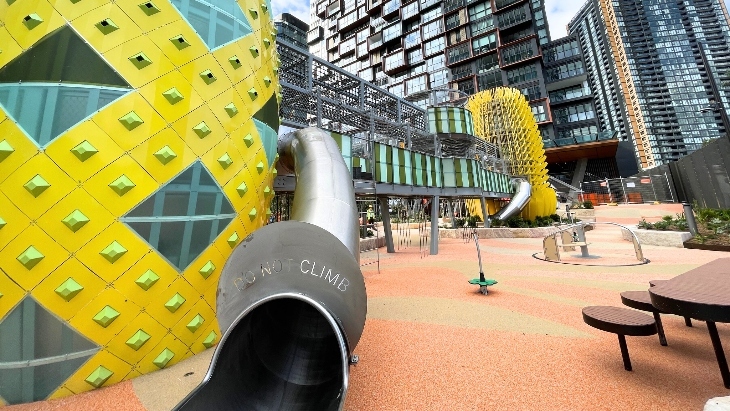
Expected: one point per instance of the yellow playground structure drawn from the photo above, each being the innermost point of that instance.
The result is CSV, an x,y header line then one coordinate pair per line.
x,y
503,117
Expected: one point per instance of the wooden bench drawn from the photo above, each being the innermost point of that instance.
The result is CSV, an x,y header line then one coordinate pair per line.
x,y
622,322
652,283
641,300
578,244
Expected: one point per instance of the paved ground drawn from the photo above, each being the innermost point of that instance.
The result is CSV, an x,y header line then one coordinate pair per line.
x,y
432,342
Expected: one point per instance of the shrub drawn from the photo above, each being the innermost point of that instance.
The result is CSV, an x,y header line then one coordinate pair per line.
x,y
588,204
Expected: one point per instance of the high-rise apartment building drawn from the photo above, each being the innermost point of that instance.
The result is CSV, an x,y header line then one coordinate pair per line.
x,y
645,66
292,30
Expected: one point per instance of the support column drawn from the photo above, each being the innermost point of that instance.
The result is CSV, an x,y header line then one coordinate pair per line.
x,y
385,214
580,231
451,213
485,216
578,174
435,225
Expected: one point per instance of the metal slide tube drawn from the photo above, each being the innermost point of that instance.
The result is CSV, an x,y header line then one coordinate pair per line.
x,y
518,202
291,297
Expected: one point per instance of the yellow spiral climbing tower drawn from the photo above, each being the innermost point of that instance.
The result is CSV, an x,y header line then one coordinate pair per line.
x,y
503,117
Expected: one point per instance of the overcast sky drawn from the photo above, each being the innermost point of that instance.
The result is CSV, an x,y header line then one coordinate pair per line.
x,y
559,12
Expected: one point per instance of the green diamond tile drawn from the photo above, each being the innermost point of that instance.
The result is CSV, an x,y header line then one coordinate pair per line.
x,y
164,358
209,341
254,51
260,167
179,42
131,120
231,110
147,280
254,13
175,302
30,257
195,323
173,96
268,212
253,93
267,81
252,213
122,185
113,252
106,316
264,7
248,140
5,150
107,26
165,155
84,151
267,191
140,61
69,289
2,223
225,161
99,376
242,189
274,172
36,186
149,8
32,21
207,269
75,220
235,62
208,77
267,42
233,240
202,129
136,341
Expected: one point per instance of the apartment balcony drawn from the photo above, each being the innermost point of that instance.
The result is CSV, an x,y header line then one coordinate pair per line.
x,y
390,8
502,4
450,5
599,145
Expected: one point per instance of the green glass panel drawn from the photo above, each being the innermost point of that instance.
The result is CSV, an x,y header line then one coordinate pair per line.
x,y
217,22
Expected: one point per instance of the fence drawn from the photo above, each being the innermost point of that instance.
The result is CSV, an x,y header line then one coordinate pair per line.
x,y
646,188
703,176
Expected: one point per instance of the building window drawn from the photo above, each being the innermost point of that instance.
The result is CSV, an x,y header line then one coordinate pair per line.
x,y
394,61
578,132
539,113
520,34
438,78
562,51
482,26
484,44
532,92
480,10
579,112
521,74
487,63
578,91
432,29
489,80
467,86
512,17
416,84
415,57
457,53
453,21
391,32
565,70
517,53
434,46
459,72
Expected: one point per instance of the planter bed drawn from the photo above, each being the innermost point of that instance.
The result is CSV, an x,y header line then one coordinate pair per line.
x,y
656,237
710,247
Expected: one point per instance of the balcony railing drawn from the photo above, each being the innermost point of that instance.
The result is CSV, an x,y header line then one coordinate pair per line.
x,y
588,138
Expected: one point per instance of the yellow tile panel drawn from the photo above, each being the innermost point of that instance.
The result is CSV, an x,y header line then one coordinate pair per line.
x,y
84,322
186,335
153,93
148,325
108,120
213,160
168,13
119,56
239,201
61,393
162,173
59,150
169,342
15,221
98,216
76,383
159,312
90,255
12,294
70,10
86,26
13,19
179,56
197,346
218,106
192,71
60,186
185,129
10,48
53,256
192,272
98,186
22,144
151,261
72,268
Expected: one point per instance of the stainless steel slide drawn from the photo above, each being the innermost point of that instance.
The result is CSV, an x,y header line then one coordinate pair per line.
x,y
519,200
291,297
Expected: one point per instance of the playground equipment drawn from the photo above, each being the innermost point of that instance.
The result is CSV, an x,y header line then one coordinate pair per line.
x,y
520,199
573,236
291,298
482,282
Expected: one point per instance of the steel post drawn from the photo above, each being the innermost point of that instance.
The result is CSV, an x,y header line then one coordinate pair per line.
x,y
435,225
690,217
485,216
385,214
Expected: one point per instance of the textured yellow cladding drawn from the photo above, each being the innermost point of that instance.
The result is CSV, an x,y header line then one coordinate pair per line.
x,y
503,117
100,169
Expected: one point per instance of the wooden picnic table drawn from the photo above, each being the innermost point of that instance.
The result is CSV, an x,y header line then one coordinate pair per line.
x,y
702,294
